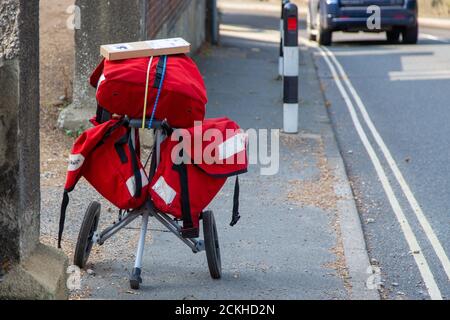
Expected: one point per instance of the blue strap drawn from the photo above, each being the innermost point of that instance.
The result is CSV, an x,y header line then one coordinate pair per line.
x,y
159,90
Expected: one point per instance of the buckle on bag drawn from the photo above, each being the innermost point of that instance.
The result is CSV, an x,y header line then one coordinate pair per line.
x,y
190,232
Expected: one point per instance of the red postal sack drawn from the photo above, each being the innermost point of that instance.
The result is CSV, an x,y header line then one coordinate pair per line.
x,y
106,158
121,86
211,151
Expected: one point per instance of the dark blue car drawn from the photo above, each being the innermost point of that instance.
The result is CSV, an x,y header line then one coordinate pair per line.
x,y
395,17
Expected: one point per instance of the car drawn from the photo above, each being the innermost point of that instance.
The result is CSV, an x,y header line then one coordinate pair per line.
x,y
397,17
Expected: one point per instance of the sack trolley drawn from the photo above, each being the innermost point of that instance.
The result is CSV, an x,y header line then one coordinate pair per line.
x,y
89,234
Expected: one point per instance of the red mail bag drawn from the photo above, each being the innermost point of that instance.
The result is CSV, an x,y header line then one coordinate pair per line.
x,y
121,88
107,158
195,164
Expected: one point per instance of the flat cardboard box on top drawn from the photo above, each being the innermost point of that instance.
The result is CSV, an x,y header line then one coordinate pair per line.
x,y
148,48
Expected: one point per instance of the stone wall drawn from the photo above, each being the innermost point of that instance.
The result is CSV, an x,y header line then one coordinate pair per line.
x,y
19,129
28,269
102,22
160,12
190,24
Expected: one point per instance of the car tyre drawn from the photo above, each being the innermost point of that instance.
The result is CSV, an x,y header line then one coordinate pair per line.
x,y
393,36
324,37
410,34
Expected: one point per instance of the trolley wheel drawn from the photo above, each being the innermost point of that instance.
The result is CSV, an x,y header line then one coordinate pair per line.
x,y
87,231
212,247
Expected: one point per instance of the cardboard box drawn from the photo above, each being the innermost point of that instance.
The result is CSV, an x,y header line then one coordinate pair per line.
x,y
148,48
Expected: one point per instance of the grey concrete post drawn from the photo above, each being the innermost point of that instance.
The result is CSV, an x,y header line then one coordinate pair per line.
x,y
19,160
19,128
102,22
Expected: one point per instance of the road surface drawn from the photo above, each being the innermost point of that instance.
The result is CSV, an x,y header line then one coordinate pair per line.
x,y
389,104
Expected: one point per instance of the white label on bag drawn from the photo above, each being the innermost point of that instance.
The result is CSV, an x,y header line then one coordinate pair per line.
x,y
164,191
75,162
131,182
232,146
102,78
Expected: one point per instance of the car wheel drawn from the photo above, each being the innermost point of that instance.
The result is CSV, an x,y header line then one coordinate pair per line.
x,y
324,37
393,36
410,35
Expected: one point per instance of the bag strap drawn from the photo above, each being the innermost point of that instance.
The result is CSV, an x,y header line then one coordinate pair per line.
x,y
185,203
62,216
119,145
158,83
235,215
135,166
188,230
102,115
160,73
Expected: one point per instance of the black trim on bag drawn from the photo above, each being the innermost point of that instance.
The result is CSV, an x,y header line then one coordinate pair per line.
x,y
102,115
224,175
188,230
121,122
119,146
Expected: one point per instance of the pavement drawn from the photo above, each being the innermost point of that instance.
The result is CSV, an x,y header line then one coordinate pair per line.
x,y
300,235
439,23
399,172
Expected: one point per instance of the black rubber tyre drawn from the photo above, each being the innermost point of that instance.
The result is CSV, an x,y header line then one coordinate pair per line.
x,y
212,247
393,36
87,230
324,37
410,35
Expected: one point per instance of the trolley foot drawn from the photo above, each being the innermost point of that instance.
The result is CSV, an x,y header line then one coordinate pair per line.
x,y
135,279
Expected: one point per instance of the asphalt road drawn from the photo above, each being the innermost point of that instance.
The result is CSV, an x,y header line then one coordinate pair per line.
x,y
396,151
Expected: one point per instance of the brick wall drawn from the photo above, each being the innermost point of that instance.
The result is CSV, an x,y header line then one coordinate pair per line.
x,y
160,12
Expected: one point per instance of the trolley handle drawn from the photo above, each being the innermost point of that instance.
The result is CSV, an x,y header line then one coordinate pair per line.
x,y
137,123
156,124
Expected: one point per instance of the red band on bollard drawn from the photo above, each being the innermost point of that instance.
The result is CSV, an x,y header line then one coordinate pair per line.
x,y
292,24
